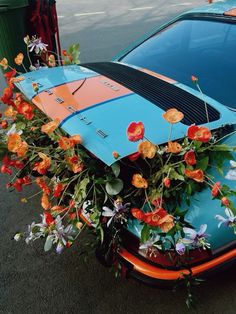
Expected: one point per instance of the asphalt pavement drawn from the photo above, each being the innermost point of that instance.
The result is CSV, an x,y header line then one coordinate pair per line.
x,y
34,282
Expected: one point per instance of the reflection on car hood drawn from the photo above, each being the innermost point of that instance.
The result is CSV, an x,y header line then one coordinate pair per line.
x,y
100,109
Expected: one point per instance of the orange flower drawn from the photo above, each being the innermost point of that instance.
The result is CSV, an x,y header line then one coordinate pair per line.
x,y
194,79
17,79
139,182
7,96
19,59
51,61
10,112
173,116
196,175
174,147
26,110
16,145
76,139
4,63
42,166
65,143
115,155
45,202
147,149
135,131
159,218
42,184
50,126
225,201
137,213
4,124
59,187
190,158
201,134
215,189
75,164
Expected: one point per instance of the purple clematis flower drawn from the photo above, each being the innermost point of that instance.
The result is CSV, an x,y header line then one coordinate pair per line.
x,y
117,212
196,239
36,44
230,221
180,247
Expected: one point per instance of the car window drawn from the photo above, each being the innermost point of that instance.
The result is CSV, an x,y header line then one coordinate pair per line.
x,y
203,48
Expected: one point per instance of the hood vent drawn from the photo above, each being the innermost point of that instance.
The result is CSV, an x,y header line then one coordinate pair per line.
x,y
157,91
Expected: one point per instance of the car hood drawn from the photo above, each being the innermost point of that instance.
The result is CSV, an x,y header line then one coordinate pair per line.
x,y
100,108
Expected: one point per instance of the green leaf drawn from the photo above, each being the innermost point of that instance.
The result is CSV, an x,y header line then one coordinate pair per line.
x,y
145,233
114,186
222,148
116,169
176,176
48,243
81,189
203,163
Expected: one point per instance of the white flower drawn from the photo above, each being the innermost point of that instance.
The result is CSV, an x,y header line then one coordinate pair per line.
x,y
230,221
13,130
231,174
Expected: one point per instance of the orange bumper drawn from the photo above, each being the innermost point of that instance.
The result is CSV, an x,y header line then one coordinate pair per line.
x,y
155,272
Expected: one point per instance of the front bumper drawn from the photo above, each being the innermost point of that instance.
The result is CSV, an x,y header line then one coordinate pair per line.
x,y
155,275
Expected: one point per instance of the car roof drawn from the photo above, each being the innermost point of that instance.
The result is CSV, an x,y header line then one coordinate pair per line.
x,y
217,7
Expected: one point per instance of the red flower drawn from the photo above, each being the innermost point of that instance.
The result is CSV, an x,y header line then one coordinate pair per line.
x,y
197,175
42,184
137,213
215,189
166,182
134,156
190,158
225,201
58,189
194,79
6,169
115,155
201,134
159,218
7,96
9,75
49,219
4,124
135,131
18,184
26,110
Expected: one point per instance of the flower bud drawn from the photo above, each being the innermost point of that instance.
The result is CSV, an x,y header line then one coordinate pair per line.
x,y
166,182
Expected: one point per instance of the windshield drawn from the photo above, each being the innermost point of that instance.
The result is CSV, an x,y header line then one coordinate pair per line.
x,y
203,48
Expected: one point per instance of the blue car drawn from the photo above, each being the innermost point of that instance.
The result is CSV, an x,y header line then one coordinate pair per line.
x,y
97,100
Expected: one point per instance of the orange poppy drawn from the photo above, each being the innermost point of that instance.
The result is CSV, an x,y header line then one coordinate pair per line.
x,y
135,131
190,158
19,58
42,166
75,164
139,182
16,145
137,213
196,175
10,112
65,143
174,147
51,61
147,149
45,202
159,218
26,110
50,127
215,189
76,139
173,116
17,79
7,96
43,185
201,134
4,63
